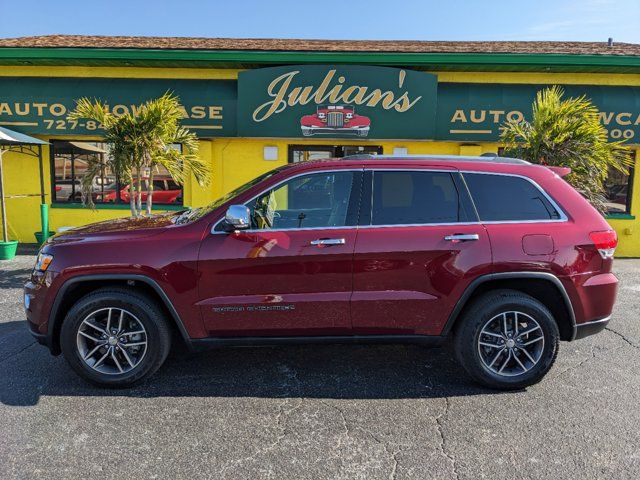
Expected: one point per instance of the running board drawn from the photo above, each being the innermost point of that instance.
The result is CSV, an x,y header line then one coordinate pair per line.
x,y
217,342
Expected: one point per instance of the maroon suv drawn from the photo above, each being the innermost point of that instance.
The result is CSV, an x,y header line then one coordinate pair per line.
x,y
501,255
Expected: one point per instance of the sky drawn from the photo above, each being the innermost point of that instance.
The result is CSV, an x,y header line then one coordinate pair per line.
x,y
568,20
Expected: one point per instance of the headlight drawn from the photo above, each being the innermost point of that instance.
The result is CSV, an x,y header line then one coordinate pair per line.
x,y
42,262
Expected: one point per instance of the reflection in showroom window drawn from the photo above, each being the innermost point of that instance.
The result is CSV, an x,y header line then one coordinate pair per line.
x,y
618,188
71,160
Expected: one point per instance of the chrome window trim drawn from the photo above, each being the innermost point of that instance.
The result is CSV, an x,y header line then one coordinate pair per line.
x,y
276,185
563,216
443,224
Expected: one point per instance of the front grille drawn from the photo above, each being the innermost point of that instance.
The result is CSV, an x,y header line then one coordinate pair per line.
x,y
335,119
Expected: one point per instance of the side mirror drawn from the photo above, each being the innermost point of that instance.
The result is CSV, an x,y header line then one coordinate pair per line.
x,y
238,217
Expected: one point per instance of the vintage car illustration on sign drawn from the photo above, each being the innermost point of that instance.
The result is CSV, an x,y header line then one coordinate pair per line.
x,y
335,119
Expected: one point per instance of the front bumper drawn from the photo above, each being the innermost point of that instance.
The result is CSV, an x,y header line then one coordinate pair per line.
x,y
36,307
310,130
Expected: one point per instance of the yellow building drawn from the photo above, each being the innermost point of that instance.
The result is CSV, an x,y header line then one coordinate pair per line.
x,y
258,104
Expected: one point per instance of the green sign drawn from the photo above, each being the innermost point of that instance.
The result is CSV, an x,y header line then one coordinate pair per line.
x,y
336,101
474,112
41,105
341,102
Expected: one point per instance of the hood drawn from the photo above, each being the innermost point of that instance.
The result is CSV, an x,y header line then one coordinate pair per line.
x,y
131,226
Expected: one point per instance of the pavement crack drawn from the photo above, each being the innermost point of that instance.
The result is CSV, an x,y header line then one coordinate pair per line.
x,y
393,453
394,457
443,440
345,424
623,337
4,359
580,363
283,412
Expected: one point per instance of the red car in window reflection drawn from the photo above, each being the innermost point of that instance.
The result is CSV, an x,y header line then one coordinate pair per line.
x,y
335,119
164,191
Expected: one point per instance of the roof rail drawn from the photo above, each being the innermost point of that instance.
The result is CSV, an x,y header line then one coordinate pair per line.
x,y
491,158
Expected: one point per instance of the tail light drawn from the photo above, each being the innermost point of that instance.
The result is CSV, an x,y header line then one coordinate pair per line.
x,y
605,241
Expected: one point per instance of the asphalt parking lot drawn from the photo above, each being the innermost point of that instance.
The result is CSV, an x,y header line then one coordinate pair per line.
x,y
322,411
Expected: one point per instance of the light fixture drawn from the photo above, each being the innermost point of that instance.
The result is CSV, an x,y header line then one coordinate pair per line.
x,y
400,150
270,153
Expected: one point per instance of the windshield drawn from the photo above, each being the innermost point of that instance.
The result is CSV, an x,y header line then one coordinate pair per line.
x,y
196,213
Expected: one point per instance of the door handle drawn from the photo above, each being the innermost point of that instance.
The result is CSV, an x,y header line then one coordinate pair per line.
x,y
462,237
328,241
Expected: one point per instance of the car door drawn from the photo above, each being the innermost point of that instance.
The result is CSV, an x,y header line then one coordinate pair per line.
x,y
419,245
291,272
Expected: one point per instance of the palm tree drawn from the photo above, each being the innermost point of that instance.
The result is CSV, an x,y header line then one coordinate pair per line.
x,y
139,142
568,133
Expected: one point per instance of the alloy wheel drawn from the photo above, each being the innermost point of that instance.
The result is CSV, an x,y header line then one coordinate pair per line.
x,y
112,341
511,343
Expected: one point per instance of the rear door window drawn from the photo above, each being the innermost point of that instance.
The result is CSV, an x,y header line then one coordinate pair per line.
x,y
415,197
507,198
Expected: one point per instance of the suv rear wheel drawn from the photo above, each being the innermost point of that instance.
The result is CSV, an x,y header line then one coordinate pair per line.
x,y
507,340
114,337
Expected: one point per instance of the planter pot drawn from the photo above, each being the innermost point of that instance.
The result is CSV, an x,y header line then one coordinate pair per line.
x,y
39,236
8,250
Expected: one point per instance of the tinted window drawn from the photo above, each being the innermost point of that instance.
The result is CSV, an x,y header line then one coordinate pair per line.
x,y
414,198
507,198
310,201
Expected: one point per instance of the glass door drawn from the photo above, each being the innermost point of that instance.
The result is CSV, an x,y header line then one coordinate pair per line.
x,y
302,153
360,150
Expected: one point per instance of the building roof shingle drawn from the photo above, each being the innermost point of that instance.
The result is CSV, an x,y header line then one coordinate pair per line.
x,y
300,45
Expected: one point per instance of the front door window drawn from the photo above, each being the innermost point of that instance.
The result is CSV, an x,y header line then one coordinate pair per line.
x,y
310,201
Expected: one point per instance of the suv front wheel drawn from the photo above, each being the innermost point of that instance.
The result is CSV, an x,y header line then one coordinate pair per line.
x,y
507,340
114,337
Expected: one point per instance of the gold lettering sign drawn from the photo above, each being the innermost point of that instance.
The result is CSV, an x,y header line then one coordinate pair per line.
x,y
330,90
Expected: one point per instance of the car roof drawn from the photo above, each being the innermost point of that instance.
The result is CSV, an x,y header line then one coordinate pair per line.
x,y
455,161
490,158
485,163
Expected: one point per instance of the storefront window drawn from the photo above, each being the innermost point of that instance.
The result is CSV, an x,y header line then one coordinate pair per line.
x,y
618,192
70,161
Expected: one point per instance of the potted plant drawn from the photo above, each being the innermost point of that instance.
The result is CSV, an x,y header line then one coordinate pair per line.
x,y
40,237
8,249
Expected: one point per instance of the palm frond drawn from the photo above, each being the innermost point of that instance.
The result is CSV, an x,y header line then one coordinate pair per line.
x,y
143,139
567,132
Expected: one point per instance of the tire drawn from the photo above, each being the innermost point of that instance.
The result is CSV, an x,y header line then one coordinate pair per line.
x,y
138,354
526,357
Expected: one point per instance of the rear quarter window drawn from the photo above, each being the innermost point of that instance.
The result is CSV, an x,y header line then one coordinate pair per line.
x,y
508,198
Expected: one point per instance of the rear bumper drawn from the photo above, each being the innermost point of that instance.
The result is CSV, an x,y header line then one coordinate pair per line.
x,y
591,328
41,338
593,298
